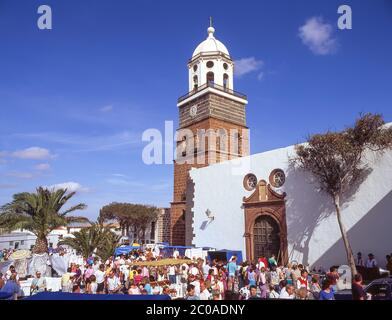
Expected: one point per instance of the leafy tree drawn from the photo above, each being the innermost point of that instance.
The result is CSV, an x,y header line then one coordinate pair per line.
x,y
336,160
128,215
40,213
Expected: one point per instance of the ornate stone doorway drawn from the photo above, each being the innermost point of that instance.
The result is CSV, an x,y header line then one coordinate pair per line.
x,y
265,223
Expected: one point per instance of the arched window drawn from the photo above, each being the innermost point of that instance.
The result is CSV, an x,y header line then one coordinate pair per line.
x,y
222,140
183,146
210,77
226,81
239,141
195,82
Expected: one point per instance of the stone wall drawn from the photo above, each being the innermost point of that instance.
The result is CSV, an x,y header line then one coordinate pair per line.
x,y
163,225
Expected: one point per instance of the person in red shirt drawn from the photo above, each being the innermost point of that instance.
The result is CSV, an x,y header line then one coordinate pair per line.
x,y
357,288
264,261
138,278
333,277
302,281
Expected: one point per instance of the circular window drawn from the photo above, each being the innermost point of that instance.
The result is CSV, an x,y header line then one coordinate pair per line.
x,y
195,68
250,182
210,64
225,66
277,178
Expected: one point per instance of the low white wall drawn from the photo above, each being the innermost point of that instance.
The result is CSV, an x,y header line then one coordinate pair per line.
x,y
313,233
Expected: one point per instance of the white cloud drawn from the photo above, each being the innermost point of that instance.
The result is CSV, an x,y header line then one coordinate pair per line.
x,y
42,167
318,36
70,186
119,175
20,175
106,108
260,76
34,153
7,186
124,182
247,65
86,143
3,154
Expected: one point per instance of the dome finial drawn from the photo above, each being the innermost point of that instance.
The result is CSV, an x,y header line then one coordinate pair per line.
x,y
211,29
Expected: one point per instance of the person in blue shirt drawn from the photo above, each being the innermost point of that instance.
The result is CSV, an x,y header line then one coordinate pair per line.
x,y
327,292
147,285
232,269
232,266
12,287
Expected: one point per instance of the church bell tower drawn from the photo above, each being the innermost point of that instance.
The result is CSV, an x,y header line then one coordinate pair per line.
x,y
212,125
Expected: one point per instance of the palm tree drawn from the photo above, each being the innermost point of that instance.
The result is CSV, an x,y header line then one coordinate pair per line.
x,y
94,239
40,213
107,247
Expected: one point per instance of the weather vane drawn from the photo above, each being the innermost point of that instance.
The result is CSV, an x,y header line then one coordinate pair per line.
x,y
210,21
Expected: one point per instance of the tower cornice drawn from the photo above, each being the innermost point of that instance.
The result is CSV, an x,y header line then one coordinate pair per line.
x,y
212,88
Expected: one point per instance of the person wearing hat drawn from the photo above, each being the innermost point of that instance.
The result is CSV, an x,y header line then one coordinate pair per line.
x,y
371,261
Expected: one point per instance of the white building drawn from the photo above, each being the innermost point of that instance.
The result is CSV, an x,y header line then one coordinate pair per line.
x,y
312,233
17,240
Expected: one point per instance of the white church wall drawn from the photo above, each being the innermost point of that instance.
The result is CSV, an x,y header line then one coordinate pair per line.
x,y
216,189
313,233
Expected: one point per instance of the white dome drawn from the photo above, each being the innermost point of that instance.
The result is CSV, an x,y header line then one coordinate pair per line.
x,y
211,44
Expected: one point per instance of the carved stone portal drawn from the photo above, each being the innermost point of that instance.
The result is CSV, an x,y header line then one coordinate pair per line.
x,y
265,223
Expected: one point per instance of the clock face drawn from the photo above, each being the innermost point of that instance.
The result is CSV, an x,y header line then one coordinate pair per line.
x,y
193,111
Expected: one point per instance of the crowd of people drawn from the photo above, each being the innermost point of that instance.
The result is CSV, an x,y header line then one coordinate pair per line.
x,y
198,279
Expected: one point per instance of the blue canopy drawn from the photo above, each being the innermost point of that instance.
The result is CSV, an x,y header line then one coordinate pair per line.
x,y
125,250
80,296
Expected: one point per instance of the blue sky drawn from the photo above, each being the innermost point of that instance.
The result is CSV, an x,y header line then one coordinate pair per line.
x,y
75,100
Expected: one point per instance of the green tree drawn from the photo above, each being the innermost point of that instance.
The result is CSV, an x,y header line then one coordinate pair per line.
x,y
130,216
336,160
40,213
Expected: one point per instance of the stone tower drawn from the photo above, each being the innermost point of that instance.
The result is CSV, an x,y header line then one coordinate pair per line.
x,y
212,124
